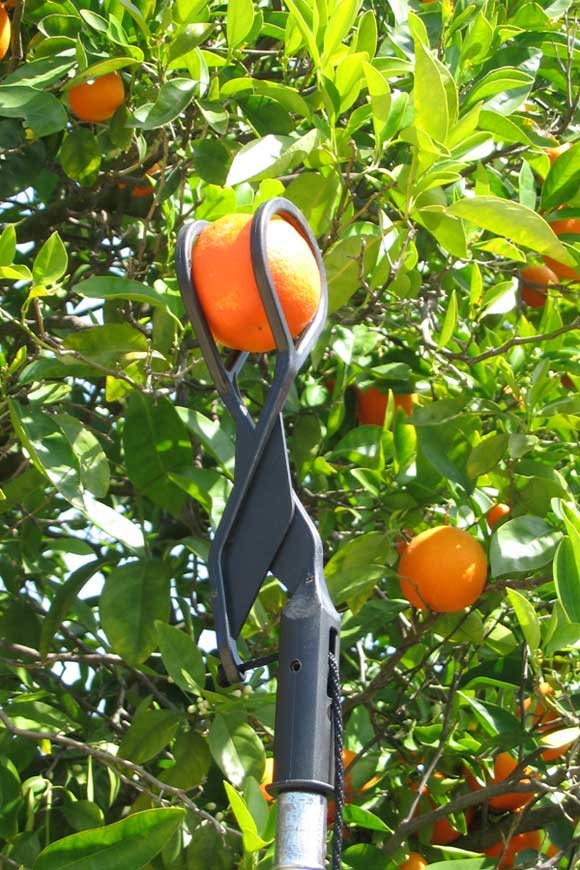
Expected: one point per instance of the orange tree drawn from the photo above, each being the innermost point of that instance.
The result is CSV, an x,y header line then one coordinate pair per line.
x,y
423,142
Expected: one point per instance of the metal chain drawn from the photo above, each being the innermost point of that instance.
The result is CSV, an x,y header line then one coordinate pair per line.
x,y
334,681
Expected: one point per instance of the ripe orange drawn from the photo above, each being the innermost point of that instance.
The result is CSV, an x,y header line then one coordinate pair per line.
x,y
496,513
97,99
517,843
534,282
227,290
372,405
5,32
542,713
565,227
554,153
143,189
414,861
443,569
443,832
503,767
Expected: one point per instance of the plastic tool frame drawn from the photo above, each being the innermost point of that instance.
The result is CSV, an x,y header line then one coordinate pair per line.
x,y
265,529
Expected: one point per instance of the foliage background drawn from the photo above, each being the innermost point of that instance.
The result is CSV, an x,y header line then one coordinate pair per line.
x,y
413,136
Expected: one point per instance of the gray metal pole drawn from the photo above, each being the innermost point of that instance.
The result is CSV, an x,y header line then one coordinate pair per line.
x,y
301,831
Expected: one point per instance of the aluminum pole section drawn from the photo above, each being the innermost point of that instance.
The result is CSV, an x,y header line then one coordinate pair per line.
x,y
301,831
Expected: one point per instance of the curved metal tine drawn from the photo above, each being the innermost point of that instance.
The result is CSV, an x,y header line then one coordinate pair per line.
x,y
225,378
290,356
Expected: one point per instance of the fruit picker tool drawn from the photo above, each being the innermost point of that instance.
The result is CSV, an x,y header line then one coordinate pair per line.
x,y
265,530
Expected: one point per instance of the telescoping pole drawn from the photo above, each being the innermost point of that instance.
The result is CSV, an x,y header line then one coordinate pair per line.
x,y
301,831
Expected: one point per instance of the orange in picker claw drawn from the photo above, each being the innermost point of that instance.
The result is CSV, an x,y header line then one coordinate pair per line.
x,y
443,569
97,99
227,290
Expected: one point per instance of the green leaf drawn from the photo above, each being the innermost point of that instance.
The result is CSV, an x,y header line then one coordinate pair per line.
x,y
206,486
48,449
114,524
523,544
181,656
51,261
362,818
40,111
150,732
156,444
434,91
80,156
251,839
92,460
450,321
380,94
62,602
83,814
192,761
110,345
111,287
508,82
134,596
566,571
527,619
339,24
207,849
218,443
270,157
7,245
354,569
563,179
172,100
514,221
236,748
12,798
487,454
125,845
289,98
239,22
492,718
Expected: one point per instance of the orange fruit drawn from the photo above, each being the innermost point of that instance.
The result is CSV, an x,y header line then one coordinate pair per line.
x,y
564,227
542,713
414,861
5,32
496,513
554,153
517,843
443,569
267,778
97,99
443,832
143,189
503,767
567,382
534,282
227,290
558,742
372,405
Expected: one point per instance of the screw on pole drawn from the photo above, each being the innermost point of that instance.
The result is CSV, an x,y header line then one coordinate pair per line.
x,y
265,530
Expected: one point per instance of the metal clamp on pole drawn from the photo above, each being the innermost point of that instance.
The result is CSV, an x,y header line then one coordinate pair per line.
x,y
265,530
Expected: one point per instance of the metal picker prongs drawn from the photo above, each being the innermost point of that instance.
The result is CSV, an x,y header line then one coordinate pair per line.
x,y
266,530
